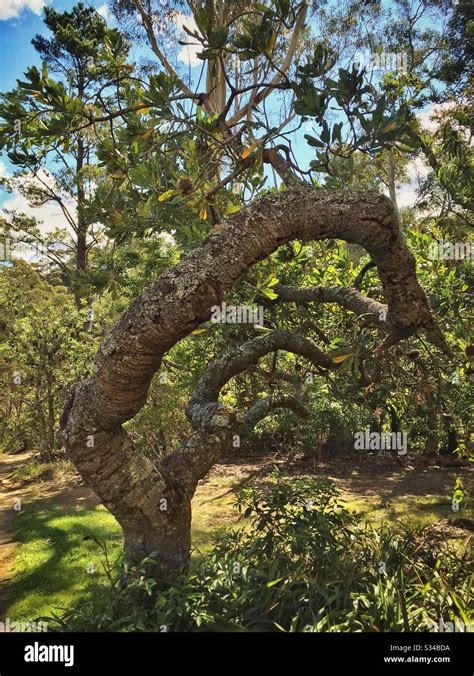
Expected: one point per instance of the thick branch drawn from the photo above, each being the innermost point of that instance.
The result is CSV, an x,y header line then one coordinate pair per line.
x,y
202,405
371,310
282,166
214,424
263,407
182,298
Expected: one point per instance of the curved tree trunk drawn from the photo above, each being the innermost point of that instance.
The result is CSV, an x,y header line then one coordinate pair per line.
x,y
130,485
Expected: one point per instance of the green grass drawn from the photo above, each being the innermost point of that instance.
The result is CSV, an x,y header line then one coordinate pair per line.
x,y
53,559
407,509
53,568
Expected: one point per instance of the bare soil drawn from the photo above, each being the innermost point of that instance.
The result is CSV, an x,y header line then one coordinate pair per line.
x,y
10,493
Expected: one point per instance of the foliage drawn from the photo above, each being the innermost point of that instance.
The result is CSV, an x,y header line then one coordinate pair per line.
x,y
45,348
53,164
304,562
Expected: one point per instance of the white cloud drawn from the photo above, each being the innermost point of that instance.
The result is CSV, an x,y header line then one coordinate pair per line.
x,y
188,53
103,10
407,193
418,168
11,8
50,215
406,197
429,119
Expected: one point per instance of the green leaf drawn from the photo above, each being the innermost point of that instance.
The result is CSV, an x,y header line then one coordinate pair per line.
x,y
166,196
314,142
268,293
342,357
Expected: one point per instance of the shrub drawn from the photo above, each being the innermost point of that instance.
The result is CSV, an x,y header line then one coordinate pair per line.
x,y
301,562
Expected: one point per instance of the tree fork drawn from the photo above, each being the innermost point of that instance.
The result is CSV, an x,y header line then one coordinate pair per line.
x,y
130,486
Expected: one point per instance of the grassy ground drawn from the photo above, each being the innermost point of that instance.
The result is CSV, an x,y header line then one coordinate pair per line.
x,y
54,563
59,561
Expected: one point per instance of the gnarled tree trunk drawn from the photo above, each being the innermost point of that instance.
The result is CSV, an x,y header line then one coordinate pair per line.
x,y
152,503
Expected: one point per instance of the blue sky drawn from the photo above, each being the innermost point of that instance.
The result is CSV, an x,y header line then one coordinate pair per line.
x,y
17,32
20,21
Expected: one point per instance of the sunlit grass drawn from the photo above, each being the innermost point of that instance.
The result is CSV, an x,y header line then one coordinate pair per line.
x,y
55,565
411,510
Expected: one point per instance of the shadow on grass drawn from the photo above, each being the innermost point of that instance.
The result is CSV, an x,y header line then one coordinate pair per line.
x,y
58,563
55,565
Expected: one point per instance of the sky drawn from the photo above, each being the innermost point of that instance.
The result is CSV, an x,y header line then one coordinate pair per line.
x,y
20,21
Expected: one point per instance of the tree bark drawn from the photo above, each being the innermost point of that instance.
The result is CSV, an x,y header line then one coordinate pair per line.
x,y
130,485
82,226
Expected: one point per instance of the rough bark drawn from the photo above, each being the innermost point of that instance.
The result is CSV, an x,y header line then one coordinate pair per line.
x,y
131,486
263,407
203,401
347,297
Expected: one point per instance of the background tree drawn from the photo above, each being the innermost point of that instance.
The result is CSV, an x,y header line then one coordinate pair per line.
x,y
45,348
54,164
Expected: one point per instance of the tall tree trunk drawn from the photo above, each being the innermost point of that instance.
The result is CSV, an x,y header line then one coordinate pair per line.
x,y
166,539
451,435
82,226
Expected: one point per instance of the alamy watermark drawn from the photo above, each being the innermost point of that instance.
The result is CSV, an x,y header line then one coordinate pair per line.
x,y
451,251
381,441
451,627
10,247
12,626
382,61
237,314
38,652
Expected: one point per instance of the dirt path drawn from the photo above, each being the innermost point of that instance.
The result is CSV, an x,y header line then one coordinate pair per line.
x,y
10,493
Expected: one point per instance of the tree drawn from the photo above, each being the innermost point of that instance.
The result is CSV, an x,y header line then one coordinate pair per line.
x,y
153,504
56,165
184,156
45,348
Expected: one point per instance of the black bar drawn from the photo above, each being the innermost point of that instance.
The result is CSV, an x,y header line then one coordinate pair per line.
x,y
313,653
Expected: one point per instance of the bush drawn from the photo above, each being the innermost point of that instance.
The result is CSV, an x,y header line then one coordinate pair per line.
x,y
302,562
45,347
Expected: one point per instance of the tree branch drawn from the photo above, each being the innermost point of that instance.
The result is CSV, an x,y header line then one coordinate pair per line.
x,y
345,296
282,70
161,56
